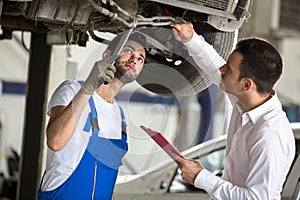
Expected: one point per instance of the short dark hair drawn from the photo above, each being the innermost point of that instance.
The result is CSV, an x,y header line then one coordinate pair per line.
x,y
135,36
261,62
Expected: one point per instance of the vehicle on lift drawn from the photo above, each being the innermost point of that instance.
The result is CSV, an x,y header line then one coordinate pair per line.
x,y
169,70
164,181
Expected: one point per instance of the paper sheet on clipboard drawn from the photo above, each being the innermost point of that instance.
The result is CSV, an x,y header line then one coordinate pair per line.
x,y
163,143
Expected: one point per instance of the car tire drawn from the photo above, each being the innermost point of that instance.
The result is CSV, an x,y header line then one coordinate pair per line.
x,y
179,76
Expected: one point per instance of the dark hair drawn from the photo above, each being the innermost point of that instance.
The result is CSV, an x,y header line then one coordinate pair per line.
x,y
262,63
135,36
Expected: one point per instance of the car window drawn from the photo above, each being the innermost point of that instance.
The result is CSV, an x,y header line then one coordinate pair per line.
x,y
213,162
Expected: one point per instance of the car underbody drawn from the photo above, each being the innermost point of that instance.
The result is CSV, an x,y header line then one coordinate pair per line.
x,y
78,20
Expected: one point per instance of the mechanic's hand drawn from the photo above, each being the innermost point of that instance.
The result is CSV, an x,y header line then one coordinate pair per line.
x,y
183,32
102,72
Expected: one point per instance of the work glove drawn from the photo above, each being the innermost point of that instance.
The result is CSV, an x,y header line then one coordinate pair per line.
x,y
103,71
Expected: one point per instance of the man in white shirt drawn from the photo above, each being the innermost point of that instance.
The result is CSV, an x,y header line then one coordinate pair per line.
x,y
86,132
260,144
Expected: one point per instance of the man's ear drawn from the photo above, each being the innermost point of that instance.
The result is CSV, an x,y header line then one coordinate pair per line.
x,y
106,53
247,84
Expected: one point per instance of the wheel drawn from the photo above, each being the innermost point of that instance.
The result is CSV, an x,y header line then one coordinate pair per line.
x,y
178,75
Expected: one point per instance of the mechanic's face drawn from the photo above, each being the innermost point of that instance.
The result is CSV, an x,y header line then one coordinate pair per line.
x,y
230,74
130,62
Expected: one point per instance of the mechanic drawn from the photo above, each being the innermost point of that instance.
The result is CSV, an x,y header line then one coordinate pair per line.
x,y
260,144
86,132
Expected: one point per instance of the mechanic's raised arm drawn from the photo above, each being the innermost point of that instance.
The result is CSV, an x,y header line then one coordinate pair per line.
x,y
206,57
63,119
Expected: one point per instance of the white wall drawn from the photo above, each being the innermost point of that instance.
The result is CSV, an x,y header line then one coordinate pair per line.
x,y
289,84
13,65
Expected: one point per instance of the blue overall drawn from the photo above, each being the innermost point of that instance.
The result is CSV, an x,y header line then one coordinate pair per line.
x,y
95,175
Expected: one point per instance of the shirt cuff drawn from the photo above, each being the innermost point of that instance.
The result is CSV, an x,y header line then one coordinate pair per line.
x,y
205,180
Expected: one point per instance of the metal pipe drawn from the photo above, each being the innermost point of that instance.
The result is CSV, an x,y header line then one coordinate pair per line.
x,y
114,4
160,20
106,12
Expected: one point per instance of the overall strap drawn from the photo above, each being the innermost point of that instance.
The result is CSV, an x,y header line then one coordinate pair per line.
x,y
124,124
92,121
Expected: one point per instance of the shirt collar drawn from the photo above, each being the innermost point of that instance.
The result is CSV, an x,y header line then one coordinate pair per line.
x,y
255,114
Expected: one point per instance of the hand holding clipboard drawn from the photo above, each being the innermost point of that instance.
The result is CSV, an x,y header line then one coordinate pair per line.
x,y
163,143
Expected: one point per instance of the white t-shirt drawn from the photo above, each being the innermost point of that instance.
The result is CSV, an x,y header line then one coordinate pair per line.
x,y
61,164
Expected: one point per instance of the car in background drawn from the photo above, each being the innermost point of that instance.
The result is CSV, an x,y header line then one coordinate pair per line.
x,y
164,181
169,70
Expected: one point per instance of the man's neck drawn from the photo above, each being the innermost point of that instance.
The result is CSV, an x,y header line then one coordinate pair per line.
x,y
252,101
109,91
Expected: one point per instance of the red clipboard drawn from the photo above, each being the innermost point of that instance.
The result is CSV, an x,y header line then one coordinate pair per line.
x,y
163,143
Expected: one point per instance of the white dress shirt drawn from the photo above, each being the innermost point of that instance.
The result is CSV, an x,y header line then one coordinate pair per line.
x,y
260,143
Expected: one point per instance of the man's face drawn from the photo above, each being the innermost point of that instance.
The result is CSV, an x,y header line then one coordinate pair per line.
x,y
231,72
131,61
